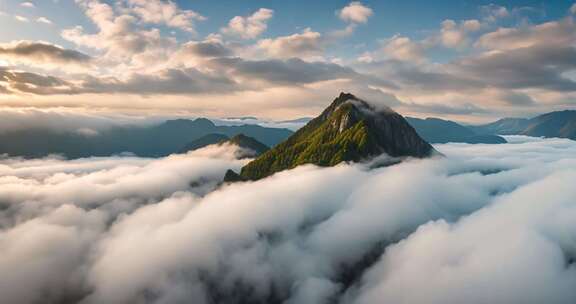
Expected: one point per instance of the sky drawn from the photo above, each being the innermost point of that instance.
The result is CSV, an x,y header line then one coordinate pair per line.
x,y
471,61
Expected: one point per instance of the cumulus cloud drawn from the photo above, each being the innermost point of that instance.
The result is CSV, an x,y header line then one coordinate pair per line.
x,y
121,33
554,33
305,44
403,48
164,12
135,47
533,56
540,66
157,232
355,12
251,26
518,68
312,44
455,35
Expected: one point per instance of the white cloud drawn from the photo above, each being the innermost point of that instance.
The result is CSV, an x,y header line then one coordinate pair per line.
x,y
493,12
483,258
573,8
122,36
138,40
307,43
27,4
249,27
453,35
355,12
481,215
44,20
165,12
21,18
559,33
403,48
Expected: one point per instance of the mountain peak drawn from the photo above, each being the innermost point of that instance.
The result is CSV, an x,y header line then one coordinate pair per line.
x,y
347,97
250,146
349,129
203,141
249,143
354,103
204,122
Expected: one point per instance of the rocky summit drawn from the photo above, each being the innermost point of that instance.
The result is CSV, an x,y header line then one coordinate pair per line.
x,y
349,130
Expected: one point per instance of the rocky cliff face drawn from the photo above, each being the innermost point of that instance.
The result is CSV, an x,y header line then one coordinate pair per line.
x,y
348,130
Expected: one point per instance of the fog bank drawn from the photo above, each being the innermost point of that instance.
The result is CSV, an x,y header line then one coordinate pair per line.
x,y
485,224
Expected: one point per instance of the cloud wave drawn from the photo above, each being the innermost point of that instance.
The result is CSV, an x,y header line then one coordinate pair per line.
x,y
493,222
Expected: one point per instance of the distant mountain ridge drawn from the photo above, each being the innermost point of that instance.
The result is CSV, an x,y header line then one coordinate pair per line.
x,y
204,141
154,141
348,130
554,124
504,126
250,147
440,131
248,143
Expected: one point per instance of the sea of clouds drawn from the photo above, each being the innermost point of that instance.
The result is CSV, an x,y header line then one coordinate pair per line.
x,y
485,224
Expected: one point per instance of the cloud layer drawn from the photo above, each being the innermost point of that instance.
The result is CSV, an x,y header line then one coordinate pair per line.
x,y
41,53
493,222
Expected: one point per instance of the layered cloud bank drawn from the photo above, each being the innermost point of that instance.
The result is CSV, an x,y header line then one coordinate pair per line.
x,y
134,54
486,224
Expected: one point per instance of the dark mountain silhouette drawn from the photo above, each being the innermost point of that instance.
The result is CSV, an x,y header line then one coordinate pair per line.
x,y
155,141
440,131
248,143
250,146
206,140
348,130
504,126
554,124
